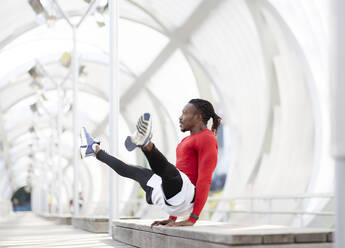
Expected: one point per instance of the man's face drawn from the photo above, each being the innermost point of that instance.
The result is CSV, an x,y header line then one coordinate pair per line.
x,y
189,117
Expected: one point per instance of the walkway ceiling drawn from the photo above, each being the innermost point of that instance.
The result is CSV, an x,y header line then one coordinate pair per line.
x,y
232,52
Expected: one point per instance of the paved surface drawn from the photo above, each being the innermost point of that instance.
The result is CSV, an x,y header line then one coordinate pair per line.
x,y
28,230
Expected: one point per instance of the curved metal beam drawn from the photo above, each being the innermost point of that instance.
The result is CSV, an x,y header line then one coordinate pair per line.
x,y
310,80
140,7
180,36
32,25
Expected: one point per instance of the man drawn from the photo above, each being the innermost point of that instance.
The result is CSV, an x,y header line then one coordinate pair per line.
x,y
177,190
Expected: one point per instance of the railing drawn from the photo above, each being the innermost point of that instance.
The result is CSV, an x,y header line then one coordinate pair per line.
x,y
269,210
240,205
101,208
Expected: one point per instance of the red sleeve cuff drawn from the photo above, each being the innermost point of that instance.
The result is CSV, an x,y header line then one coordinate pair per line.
x,y
172,217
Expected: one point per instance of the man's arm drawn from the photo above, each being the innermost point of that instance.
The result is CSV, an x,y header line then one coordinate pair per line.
x,y
207,160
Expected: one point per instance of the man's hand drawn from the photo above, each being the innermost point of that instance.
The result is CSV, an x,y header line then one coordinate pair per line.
x,y
181,223
162,222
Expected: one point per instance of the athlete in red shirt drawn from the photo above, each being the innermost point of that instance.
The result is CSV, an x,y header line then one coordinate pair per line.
x,y
197,157
177,190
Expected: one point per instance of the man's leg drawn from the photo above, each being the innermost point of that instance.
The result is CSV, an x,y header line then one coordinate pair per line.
x,y
171,178
90,147
137,173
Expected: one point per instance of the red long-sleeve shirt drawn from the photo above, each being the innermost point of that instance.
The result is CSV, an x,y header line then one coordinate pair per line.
x,y
196,156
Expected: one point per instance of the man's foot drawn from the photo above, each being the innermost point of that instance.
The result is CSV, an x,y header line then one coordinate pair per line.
x,y
87,144
142,135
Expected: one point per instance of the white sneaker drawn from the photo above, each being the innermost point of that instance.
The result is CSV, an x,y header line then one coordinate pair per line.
x,y
142,135
87,144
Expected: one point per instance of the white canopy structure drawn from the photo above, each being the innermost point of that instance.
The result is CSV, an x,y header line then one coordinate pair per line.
x,y
262,63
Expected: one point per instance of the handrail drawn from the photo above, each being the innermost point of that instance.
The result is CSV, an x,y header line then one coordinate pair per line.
x,y
272,212
270,199
252,211
273,197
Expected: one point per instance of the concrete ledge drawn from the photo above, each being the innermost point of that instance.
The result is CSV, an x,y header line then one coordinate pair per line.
x,y
64,220
48,216
218,235
59,219
91,224
330,237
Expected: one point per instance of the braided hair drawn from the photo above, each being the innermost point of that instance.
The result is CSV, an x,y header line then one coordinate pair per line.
x,y
206,110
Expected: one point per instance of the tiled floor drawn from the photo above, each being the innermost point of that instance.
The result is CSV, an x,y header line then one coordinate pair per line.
x,y
28,230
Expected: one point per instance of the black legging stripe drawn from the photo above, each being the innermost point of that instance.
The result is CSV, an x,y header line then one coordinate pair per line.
x,y
137,173
171,178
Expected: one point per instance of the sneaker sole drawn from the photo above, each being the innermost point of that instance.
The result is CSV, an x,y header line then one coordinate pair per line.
x,y
130,146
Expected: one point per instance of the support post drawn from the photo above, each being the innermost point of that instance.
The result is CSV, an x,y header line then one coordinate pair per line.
x,y
59,154
75,125
114,102
337,87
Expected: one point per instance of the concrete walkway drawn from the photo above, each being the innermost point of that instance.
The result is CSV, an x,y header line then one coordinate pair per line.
x,y
206,234
28,230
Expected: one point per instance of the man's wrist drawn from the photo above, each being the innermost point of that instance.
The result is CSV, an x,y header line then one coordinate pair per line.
x,y
193,218
172,218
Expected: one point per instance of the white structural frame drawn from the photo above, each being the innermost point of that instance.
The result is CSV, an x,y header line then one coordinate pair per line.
x,y
114,100
337,86
178,39
76,126
310,84
178,43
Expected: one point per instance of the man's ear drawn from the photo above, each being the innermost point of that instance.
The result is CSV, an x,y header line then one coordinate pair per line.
x,y
199,116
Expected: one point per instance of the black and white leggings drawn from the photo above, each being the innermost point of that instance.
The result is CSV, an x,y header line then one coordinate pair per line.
x,y
171,178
